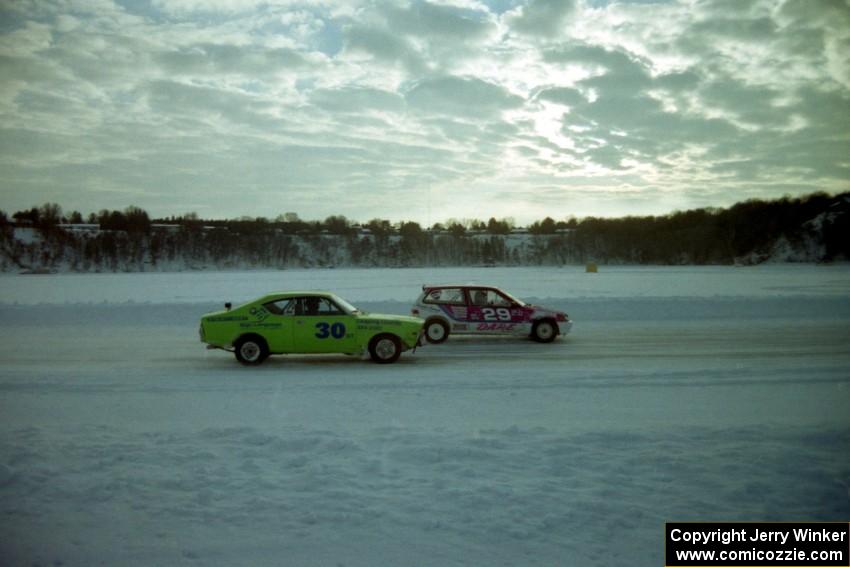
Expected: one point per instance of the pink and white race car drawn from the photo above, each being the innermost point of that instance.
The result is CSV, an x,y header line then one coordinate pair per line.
x,y
484,310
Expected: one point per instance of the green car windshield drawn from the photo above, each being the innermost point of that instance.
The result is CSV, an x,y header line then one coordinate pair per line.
x,y
346,306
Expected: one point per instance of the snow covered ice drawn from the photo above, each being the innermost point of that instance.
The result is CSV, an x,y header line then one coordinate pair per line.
x,y
683,394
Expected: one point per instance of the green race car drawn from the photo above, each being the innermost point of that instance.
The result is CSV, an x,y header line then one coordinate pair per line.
x,y
307,322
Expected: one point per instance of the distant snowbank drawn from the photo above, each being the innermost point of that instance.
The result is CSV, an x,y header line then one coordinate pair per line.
x,y
640,294
584,311
403,284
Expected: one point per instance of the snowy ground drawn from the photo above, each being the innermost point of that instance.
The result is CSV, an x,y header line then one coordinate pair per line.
x,y
683,394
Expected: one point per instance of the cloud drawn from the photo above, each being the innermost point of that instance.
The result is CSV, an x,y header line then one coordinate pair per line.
x,y
562,95
27,40
345,105
754,30
541,17
461,96
678,82
357,100
206,59
435,22
422,37
384,46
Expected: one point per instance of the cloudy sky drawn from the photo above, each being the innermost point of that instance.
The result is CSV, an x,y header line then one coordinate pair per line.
x,y
421,110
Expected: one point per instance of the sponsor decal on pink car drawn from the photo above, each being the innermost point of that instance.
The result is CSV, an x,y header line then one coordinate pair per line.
x,y
495,327
488,314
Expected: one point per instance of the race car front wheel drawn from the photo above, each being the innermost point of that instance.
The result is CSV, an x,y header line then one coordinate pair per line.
x,y
385,349
251,350
436,331
544,331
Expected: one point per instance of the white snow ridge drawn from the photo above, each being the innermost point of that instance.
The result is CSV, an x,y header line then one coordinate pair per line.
x,y
683,394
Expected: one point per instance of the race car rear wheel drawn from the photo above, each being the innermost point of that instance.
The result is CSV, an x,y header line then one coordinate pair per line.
x,y
544,331
436,331
385,348
251,349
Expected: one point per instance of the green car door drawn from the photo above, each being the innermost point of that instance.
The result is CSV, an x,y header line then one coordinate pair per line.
x,y
322,326
277,322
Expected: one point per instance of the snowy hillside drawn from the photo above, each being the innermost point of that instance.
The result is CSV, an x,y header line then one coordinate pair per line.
x,y
682,394
28,251
809,229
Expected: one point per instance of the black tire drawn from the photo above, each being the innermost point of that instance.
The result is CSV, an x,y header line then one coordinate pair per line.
x,y
385,348
544,331
440,331
251,350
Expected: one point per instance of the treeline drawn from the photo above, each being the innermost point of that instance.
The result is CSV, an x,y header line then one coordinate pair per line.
x,y
135,219
810,228
751,231
49,216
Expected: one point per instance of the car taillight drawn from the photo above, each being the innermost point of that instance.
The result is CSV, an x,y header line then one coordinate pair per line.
x,y
562,317
415,312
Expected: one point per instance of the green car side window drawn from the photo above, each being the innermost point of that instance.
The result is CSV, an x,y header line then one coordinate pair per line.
x,y
304,306
320,306
272,307
280,307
